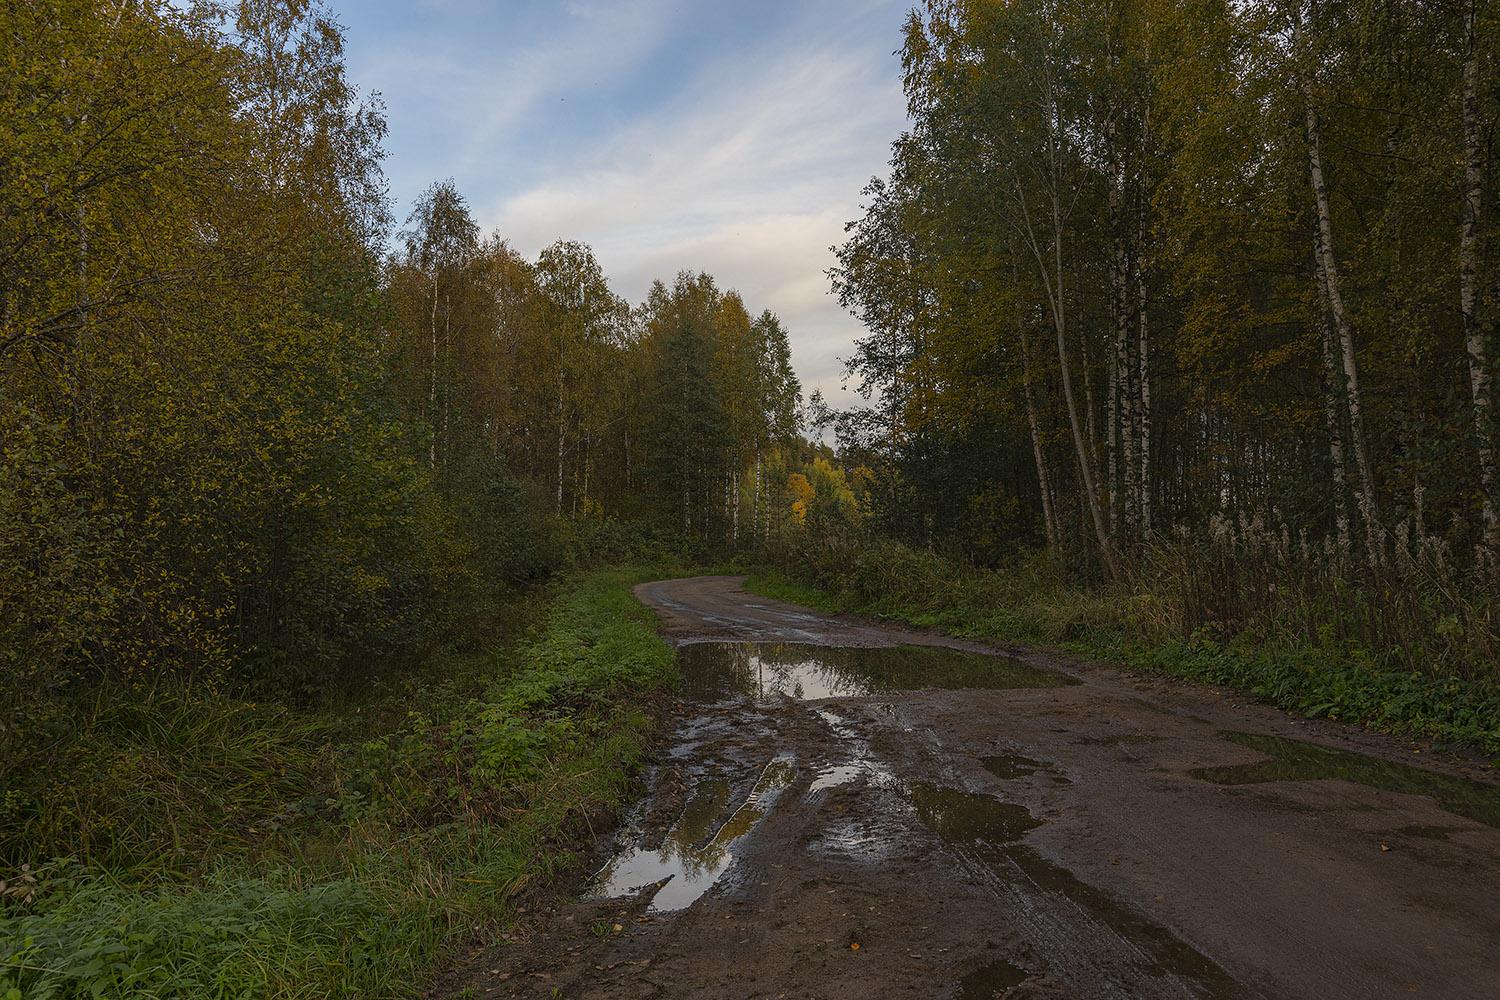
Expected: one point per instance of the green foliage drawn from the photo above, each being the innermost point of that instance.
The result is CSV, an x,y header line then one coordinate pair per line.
x,y
190,350
325,856
566,694
173,779
688,460
54,592
231,936
1347,686
1134,184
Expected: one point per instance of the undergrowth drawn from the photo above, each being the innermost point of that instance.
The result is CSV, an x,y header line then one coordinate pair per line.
x,y
1302,649
274,853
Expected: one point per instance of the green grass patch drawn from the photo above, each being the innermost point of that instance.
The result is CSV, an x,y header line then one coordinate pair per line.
x,y
338,853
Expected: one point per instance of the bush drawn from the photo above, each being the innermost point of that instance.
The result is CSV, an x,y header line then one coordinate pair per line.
x,y
329,859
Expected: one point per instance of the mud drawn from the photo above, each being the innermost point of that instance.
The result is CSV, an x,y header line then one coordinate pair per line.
x,y
879,820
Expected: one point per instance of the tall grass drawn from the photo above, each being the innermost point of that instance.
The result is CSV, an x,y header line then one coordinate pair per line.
x,y
269,853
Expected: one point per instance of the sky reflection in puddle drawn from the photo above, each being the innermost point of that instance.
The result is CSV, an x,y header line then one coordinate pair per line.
x,y
715,671
691,860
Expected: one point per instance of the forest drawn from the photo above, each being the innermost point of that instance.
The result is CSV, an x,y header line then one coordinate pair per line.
x,y
257,435
1180,347
1200,297
281,471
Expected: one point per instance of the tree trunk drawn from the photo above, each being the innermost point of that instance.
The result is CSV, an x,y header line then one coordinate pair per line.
x,y
584,465
1121,431
1143,409
1335,436
562,431
1057,305
1044,478
432,377
447,382
1117,361
1468,270
755,499
1091,423
1143,354
1328,267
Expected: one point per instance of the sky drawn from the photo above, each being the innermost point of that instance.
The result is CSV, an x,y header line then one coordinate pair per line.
x,y
727,137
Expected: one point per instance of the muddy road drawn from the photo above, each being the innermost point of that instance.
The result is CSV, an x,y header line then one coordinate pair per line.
x,y
841,810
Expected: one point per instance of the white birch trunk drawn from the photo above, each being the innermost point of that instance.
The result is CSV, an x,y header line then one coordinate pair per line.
x,y
1335,437
561,438
1328,266
1044,478
1474,339
432,376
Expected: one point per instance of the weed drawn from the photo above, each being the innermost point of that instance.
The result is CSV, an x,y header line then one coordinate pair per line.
x,y
331,853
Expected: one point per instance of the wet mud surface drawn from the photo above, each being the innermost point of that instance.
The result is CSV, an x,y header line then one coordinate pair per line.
x,y
841,810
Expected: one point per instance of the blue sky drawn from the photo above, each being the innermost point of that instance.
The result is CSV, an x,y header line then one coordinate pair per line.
x,y
731,138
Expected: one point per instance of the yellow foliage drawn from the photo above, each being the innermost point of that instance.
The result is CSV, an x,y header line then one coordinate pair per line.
x,y
802,493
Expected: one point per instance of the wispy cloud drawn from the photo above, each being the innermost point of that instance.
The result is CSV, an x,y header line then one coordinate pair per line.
x,y
710,137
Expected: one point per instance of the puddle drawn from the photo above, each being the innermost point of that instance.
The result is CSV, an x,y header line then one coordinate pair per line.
x,y
693,855
991,981
831,777
714,671
990,832
1010,767
967,818
1294,760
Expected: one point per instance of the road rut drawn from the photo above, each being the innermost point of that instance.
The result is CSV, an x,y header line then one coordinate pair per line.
x,y
1074,831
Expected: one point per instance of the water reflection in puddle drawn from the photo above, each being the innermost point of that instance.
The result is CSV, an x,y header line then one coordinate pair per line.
x,y
1294,760
989,832
713,671
967,818
991,981
1011,766
831,777
690,861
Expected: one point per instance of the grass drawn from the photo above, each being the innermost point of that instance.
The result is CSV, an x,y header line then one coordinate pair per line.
x,y
266,852
1317,669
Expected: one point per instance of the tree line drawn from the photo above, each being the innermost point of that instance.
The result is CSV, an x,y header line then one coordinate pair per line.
x,y
1157,271
677,405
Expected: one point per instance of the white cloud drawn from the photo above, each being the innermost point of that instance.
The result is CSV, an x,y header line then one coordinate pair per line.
x,y
466,76
749,175
709,136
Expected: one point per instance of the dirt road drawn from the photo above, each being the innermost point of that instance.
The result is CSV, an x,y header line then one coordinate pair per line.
x,y
843,810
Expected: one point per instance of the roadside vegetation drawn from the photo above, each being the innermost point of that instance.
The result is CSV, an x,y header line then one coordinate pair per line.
x,y
303,673
1199,301
230,848
1305,643
307,662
